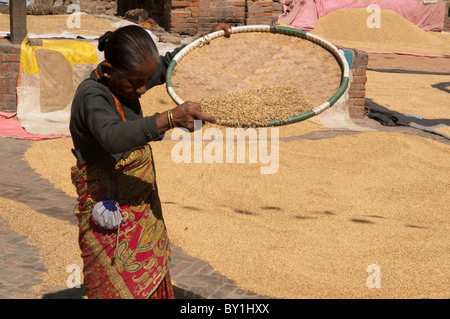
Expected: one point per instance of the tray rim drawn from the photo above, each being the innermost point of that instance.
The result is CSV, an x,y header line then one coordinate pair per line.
x,y
199,42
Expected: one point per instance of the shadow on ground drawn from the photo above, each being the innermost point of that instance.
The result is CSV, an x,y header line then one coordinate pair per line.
x,y
78,293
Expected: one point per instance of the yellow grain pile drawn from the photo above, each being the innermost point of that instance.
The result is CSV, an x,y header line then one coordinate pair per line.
x,y
445,130
258,105
412,94
64,158
89,25
57,240
335,207
349,28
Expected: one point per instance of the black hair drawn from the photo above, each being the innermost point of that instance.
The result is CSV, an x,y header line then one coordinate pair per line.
x,y
127,48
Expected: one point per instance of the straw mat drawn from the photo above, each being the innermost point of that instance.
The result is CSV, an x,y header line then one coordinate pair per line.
x,y
257,59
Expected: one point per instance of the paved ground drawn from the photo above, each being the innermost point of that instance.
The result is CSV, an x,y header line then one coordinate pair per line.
x,y
20,263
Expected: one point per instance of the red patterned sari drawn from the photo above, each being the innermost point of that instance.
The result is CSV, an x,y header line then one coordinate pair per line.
x,y
134,261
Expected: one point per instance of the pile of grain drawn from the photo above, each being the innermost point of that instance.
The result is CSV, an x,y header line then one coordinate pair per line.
x,y
348,28
259,105
157,100
89,24
312,229
412,94
444,130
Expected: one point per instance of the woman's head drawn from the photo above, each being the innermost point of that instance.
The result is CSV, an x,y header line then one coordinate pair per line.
x,y
131,59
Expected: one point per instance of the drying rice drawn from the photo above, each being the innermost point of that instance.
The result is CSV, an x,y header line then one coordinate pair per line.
x,y
157,100
312,229
252,106
414,94
348,28
444,130
334,207
89,25
57,240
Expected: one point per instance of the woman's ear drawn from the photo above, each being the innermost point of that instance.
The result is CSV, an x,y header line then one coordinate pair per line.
x,y
106,69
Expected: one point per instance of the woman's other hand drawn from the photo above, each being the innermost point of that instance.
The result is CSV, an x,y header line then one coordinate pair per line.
x,y
223,26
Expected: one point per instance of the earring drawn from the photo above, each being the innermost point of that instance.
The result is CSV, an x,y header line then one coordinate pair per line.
x,y
105,75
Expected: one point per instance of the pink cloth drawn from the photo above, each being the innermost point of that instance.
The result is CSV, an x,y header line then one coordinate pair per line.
x,y
303,14
11,127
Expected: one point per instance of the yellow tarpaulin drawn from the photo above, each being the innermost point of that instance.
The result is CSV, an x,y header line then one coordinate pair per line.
x,y
76,52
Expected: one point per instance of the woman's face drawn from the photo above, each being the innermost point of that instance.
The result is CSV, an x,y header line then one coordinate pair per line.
x,y
132,86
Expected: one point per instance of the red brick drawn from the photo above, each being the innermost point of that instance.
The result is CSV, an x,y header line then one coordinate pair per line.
x,y
13,58
264,3
356,115
8,97
361,72
180,25
357,87
359,79
357,101
353,94
180,14
5,66
238,3
180,4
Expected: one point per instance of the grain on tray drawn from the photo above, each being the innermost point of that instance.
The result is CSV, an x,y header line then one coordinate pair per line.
x,y
258,105
256,59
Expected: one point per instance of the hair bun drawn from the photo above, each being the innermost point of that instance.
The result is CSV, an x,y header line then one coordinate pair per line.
x,y
102,40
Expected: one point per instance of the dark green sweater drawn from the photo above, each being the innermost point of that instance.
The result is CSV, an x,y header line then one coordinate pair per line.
x,y
99,135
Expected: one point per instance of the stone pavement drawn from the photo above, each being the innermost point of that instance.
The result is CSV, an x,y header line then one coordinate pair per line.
x,y
21,267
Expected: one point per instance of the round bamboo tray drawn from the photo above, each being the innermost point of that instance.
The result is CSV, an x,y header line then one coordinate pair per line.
x,y
258,56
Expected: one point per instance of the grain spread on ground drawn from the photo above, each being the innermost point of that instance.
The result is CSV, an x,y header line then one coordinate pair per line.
x,y
414,94
88,24
348,28
57,240
335,207
255,106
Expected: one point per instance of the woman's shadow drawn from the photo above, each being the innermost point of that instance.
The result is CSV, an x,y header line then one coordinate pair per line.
x,y
79,293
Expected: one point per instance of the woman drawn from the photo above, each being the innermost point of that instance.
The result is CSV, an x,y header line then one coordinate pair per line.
x,y
123,238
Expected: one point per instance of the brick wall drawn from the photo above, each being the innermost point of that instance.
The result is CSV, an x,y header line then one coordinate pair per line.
x,y
9,73
357,91
199,16
192,16
447,17
99,6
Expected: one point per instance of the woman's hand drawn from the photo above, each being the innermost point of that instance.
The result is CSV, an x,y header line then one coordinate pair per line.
x,y
223,26
183,116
